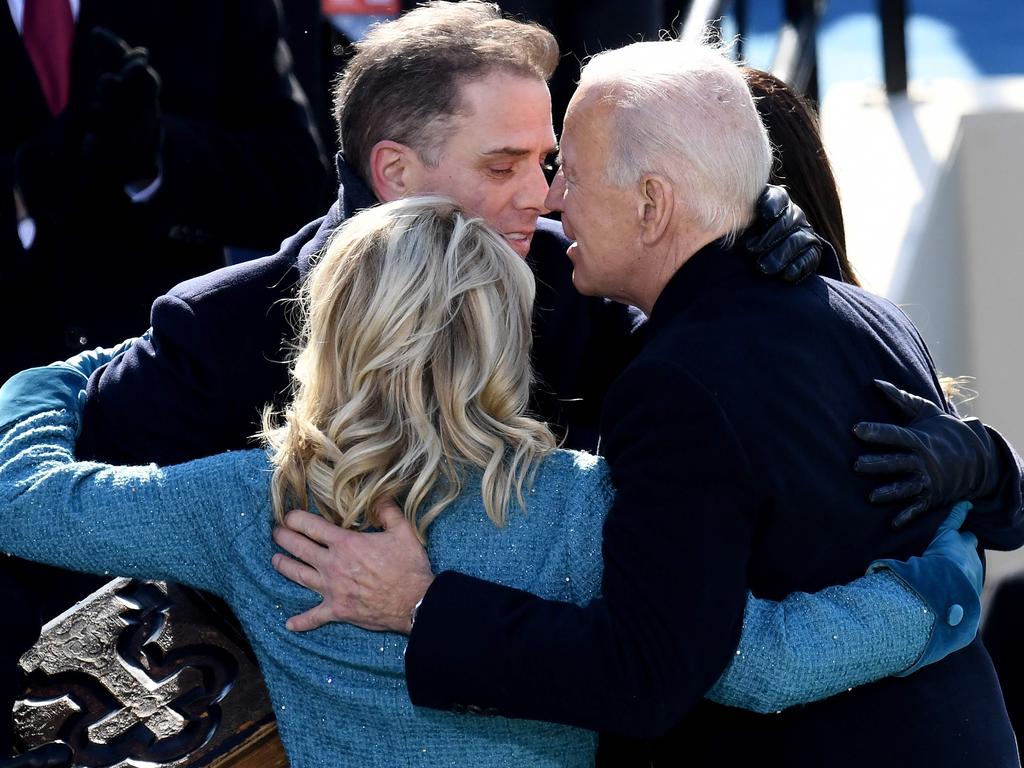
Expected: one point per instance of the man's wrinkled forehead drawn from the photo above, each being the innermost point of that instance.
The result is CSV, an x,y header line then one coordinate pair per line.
x,y
506,131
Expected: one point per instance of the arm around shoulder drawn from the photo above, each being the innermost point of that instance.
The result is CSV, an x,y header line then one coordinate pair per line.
x,y
196,385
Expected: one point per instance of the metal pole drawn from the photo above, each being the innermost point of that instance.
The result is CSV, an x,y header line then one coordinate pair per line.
x,y
796,57
893,14
740,11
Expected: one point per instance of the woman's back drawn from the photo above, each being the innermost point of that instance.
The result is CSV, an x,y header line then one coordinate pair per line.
x,y
339,691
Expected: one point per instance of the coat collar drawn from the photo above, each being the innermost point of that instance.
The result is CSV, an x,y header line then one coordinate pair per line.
x,y
711,265
353,196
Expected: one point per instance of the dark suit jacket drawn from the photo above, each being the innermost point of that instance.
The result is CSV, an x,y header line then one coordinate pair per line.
x,y
730,445
236,134
219,344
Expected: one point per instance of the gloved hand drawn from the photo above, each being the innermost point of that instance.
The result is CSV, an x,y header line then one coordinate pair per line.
x,y
782,240
55,754
123,125
946,459
948,577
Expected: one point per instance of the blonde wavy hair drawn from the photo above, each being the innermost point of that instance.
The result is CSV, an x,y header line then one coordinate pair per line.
x,y
413,366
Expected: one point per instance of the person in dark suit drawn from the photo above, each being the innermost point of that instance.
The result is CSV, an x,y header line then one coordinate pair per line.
x,y
729,443
140,139
163,132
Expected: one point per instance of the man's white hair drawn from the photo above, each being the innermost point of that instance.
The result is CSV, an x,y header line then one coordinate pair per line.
x,y
683,110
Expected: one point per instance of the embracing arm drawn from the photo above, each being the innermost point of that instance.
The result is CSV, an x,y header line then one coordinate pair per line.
x,y
899,618
194,386
135,521
937,459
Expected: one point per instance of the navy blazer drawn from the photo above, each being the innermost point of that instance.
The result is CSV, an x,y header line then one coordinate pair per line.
x,y
219,345
730,445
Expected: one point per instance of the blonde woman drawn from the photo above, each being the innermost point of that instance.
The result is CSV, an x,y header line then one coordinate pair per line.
x,y
411,381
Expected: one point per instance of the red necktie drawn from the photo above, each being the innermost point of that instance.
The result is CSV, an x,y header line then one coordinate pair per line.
x,y
48,31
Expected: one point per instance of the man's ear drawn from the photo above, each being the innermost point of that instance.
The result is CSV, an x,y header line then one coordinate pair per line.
x,y
393,170
656,208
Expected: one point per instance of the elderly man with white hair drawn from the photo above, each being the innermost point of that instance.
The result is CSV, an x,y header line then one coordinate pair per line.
x,y
729,443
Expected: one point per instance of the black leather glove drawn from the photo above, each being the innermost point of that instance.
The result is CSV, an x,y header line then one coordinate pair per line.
x,y
122,133
56,754
944,459
781,239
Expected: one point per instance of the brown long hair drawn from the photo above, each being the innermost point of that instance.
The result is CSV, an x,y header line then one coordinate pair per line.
x,y
800,164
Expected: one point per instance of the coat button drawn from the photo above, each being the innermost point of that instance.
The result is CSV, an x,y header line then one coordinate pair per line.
x,y
956,615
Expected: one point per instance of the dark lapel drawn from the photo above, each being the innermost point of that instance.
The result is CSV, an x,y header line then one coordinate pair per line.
x,y
20,89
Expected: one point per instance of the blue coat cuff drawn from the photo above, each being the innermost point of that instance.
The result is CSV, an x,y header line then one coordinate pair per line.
x,y
949,595
37,390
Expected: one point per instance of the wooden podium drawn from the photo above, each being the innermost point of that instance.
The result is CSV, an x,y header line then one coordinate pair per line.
x,y
147,674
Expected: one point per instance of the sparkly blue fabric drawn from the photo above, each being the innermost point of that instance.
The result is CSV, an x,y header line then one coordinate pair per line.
x,y
339,692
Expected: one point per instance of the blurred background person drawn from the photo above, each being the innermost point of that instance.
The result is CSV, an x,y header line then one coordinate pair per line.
x,y
142,139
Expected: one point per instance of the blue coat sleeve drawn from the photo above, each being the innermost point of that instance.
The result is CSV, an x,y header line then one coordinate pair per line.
x,y
804,648
809,647
174,523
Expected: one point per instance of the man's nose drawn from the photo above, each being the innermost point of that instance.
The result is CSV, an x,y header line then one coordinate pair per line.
x,y
556,193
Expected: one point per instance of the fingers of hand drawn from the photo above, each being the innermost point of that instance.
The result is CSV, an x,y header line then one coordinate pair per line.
x,y
885,434
912,512
298,572
389,514
300,546
313,526
887,464
311,619
957,517
904,489
908,403
772,203
793,217
804,265
778,247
